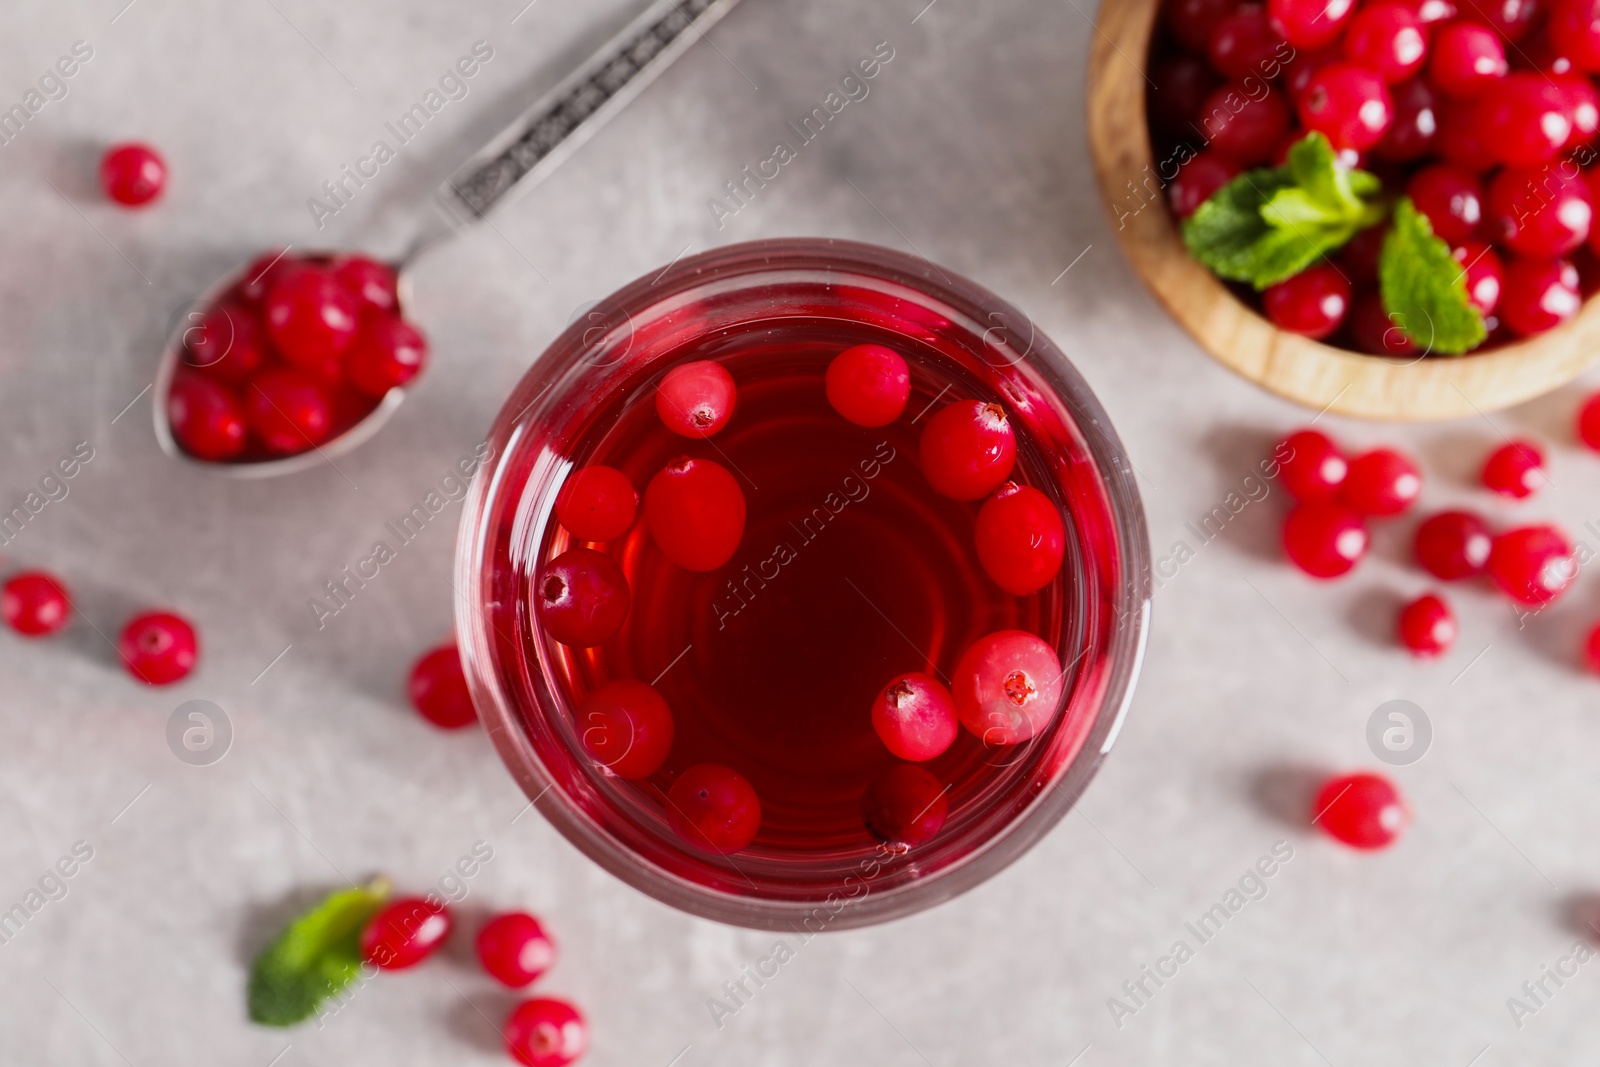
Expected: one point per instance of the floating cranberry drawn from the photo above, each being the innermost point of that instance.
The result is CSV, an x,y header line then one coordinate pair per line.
x,y
627,728
1453,544
1515,470
915,717
1021,539
583,598
226,344
1427,626
1485,274
1589,422
207,421
1179,84
1452,199
132,174
372,283
1310,23
35,604
1244,44
405,932
158,647
1539,295
1311,466
1007,687
696,399
1387,38
1377,332
387,353
1382,482
1468,60
696,513
514,948
597,503
546,1033
1361,810
1525,119
868,384
1416,123
1533,564
1198,180
438,689
1540,212
968,449
904,806
1350,106
310,316
1576,25
1245,129
1313,303
1325,540
288,411
714,808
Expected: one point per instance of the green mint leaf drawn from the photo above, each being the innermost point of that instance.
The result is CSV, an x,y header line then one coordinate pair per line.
x,y
1424,288
1226,230
1316,169
315,957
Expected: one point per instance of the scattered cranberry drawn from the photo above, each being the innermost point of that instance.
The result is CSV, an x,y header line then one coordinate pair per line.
x,y
207,420
1539,295
1387,38
1591,650
1376,331
1350,106
597,504
1533,565
1453,544
158,648
714,808
387,353
1525,119
696,399
869,384
905,806
1325,540
1540,212
1576,25
1007,687
968,449
583,598
1381,482
1362,810
226,344
405,932
1589,422
915,717
1515,470
1416,123
372,283
1427,626
1485,274
1198,179
438,689
696,513
35,604
1021,539
546,1033
288,411
1452,199
1468,60
1312,303
1247,132
1310,23
514,948
310,316
132,174
1244,43
627,728
1311,466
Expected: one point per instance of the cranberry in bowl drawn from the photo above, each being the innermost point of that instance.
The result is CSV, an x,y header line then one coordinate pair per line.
x,y
698,701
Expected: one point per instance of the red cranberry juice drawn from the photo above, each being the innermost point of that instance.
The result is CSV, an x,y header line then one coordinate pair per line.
x,y
851,571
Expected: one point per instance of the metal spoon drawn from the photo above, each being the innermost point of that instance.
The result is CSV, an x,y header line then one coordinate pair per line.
x,y
522,156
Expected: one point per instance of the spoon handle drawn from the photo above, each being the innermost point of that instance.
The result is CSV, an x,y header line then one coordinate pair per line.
x,y
568,115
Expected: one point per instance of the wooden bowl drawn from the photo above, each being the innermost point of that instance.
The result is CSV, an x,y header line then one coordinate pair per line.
x,y
1308,372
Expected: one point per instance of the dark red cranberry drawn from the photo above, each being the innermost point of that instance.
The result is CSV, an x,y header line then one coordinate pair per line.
x,y
1178,86
1589,422
1525,120
1313,303
1020,538
438,689
288,411
1244,44
1515,470
1453,544
207,421
1427,626
1512,19
915,717
132,174
1462,139
1299,71
1350,106
1533,564
1360,257
1416,123
35,604
904,806
696,399
1539,295
514,948
546,1033
1387,38
968,449
627,727
597,503
1376,332
1540,212
158,647
1245,130
372,283
226,343
1310,24
1485,274
712,807
405,932
1363,811
1468,60
387,353
1576,25
311,317
1198,179
1451,198
696,513
1310,465
1382,482
1325,540
1007,687
583,598
868,384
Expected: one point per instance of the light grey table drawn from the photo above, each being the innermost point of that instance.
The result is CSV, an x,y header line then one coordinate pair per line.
x,y
969,150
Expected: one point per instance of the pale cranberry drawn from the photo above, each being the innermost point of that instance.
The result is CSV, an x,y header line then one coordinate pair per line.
x,y
1244,44
207,420
1325,540
438,689
1381,482
1311,466
35,604
627,728
1533,565
1451,198
372,283
1467,61
915,717
1244,129
696,513
1576,24
226,344
1377,332
158,647
597,503
1020,538
132,174
1350,106
1589,422
310,316
1361,810
514,948
1515,470
582,598
1540,212
714,808
1313,303
1310,23
288,411
1198,180
1178,86
904,806
1453,544
1485,274
405,932
1416,123
1427,626
387,353
1387,38
546,1033
1539,295
1007,687
1525,119
868,384
696,399
968,449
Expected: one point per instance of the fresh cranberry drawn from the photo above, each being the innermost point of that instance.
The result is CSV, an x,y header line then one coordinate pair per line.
x,y
1467,61
387,353
405,932
1178,86
132,174
915,717
714,808
1198,180
1427,626
696,513
904,806
1416,123
1576,24
1451,198
1511,18
597,504
1360,257
1453,544
206,419
158,647
1462,140
373,283
1007,687
265,271
627,728
310,316
1377,332
1583,106
968,449
1325,540
1299,71
1313,303
1244,44
1362,810
1382,482
1485,274
696,399
288,411
1533,564
546,1033
226,343
1525,119
438,689
1539,295
35,604
1589,422
1542,54
583,598
1540,212
868,384
1310,23
1431,12
1020,539
514,948
1591,650
1243,129
1515,470
1311,466
1350,106
1387,38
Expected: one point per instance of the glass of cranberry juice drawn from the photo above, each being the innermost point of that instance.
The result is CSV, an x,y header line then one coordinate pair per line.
x,y
850,572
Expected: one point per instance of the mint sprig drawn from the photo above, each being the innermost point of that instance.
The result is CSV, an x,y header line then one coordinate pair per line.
x,y
315,957
1424,288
